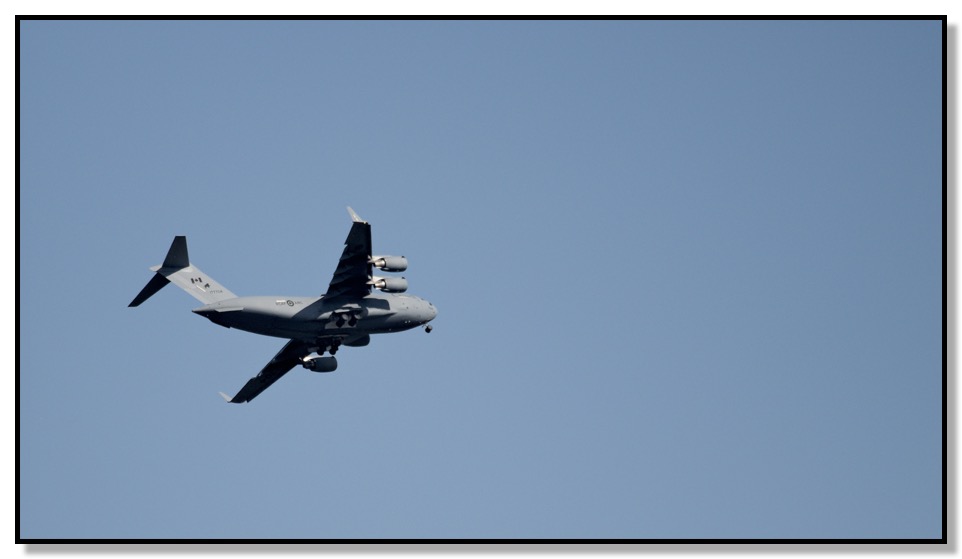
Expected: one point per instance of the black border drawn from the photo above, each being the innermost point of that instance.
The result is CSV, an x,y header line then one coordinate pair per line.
x,y
377,544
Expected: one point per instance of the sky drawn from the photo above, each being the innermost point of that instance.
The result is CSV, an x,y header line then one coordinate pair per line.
x,y
688,275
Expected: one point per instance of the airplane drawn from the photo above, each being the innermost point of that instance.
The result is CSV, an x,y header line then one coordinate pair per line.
x,y
347,314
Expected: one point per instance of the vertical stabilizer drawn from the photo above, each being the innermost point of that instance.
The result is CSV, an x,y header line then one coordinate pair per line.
x,y
177,269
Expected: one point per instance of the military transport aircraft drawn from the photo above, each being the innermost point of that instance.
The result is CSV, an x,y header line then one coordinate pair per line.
x,y
346,315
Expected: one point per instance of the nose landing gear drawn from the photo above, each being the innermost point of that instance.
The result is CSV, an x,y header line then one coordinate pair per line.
x,y
428,329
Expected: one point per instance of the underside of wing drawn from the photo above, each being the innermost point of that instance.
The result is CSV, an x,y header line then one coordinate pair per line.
x,y
285,360
353,274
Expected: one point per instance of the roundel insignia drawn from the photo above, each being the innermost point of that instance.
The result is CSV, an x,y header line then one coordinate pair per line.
x,y
290,303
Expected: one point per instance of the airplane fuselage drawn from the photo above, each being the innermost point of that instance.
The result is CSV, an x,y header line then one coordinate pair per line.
x,y
309,318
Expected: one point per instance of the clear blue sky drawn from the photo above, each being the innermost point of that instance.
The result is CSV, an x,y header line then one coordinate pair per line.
x,y
689,277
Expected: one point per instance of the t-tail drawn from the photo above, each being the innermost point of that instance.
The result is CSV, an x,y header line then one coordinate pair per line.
x,y
178,269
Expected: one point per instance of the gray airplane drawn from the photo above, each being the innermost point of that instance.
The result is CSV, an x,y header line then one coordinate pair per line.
x,y
347,314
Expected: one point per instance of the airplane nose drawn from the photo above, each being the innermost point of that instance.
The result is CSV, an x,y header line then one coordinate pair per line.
x,y
432,312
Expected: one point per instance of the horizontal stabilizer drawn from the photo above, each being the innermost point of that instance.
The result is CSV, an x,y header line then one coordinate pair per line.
x,y
178,270
176,260
153,286
354,217
177,255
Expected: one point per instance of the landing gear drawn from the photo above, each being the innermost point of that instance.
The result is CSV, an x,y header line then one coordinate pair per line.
x,y
326,346
319,363
341,319
428,329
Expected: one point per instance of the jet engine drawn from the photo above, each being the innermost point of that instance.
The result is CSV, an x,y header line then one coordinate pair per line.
x,y
321,364
390,263
390,285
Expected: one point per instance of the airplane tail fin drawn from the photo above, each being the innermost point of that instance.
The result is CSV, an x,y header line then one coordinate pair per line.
x,y
178,269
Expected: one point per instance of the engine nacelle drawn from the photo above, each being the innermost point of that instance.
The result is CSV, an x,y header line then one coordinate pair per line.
x,y
321,364
390,285
390,263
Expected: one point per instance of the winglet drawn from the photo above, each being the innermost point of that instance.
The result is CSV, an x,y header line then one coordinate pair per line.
x,y
225,397
354,217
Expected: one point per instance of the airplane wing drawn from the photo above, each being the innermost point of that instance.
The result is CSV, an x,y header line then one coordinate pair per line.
x,y
285,360
354,269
